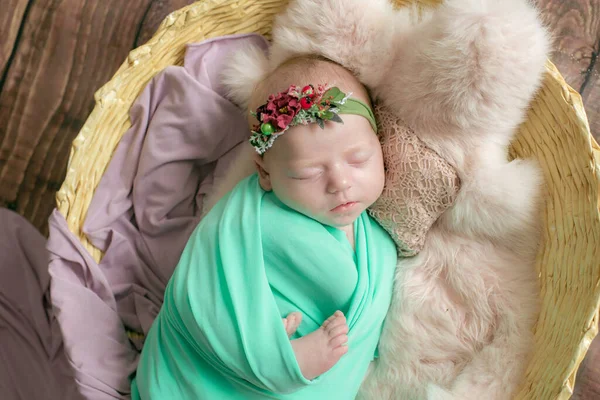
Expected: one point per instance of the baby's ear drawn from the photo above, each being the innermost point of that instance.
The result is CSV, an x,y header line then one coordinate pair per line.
x,y
244,69
264,177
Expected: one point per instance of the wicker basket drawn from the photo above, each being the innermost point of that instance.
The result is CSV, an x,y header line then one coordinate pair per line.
x,y
556,133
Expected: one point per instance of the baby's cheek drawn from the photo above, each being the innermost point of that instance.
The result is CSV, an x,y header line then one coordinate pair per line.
x,y
302,199
310,203
381,174
381,182
375,181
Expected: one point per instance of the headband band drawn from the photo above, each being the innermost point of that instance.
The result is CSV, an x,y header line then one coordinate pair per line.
x,y
293,107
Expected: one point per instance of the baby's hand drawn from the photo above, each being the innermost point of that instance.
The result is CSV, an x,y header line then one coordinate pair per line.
x,y
292,322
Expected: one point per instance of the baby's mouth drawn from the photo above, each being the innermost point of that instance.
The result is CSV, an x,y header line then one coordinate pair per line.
x,y
344,206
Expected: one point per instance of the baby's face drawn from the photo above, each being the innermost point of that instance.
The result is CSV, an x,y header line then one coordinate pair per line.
x,y
332,174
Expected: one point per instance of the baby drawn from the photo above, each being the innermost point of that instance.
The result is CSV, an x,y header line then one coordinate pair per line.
x,y
294,240
331,177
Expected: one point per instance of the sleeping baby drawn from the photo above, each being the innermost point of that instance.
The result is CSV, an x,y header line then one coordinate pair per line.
x,y
293,240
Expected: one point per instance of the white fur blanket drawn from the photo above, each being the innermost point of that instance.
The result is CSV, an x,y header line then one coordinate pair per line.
x,y
460,324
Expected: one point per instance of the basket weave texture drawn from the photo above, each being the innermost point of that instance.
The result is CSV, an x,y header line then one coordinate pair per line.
x,y
556,133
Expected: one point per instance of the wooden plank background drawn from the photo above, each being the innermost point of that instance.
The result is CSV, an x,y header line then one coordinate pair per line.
x,y
54,54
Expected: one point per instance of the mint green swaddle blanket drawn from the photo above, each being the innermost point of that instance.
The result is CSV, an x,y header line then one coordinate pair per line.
x,y
250,262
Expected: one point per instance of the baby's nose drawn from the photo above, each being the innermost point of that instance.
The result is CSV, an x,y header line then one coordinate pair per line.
x,y
339,182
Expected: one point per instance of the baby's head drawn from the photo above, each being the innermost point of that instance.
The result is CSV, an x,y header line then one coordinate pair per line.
x,y
332,174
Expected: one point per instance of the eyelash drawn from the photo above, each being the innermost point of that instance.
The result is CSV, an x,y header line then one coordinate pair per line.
x,y
312,177
309,177
360,162
356,163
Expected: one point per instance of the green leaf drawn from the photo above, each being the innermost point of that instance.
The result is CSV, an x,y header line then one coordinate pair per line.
x,y
321,123
327,115
335,93
337,118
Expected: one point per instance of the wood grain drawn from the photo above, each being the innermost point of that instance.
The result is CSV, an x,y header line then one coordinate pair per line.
x,y
154,15
575,26
69,48
10,25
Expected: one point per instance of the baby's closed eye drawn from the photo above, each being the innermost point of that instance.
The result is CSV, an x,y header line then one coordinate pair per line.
x,y
360,157
306,173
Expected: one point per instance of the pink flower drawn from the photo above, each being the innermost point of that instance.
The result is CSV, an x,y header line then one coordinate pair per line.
x,y
283,120
293,91
286,104
279,110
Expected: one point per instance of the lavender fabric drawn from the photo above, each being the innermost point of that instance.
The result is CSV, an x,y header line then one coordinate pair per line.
x,y
32,361
184,133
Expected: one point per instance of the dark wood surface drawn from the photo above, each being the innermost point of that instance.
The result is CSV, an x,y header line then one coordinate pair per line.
x,y
58,53
54,54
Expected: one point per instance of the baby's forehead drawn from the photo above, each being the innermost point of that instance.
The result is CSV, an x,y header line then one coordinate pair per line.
x,y
310,143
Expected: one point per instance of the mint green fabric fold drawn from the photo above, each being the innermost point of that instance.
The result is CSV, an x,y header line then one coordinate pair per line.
x,y
250,262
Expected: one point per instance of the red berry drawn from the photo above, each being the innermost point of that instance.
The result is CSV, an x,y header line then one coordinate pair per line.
x,y
305,103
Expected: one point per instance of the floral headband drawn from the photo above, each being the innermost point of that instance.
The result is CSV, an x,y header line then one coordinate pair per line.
x,y
293,107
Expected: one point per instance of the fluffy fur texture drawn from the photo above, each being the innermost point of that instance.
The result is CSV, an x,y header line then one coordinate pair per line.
x,y
245,69
460,323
